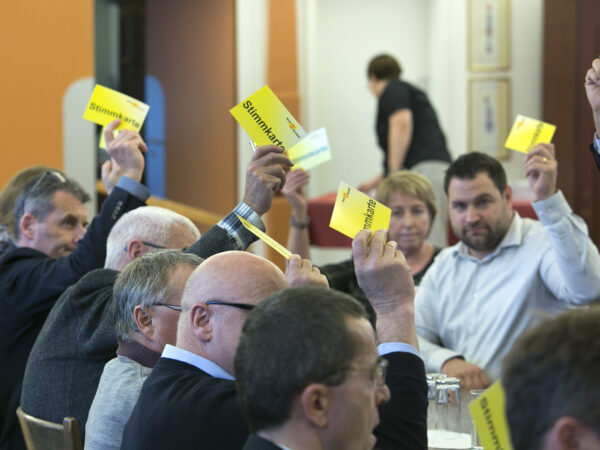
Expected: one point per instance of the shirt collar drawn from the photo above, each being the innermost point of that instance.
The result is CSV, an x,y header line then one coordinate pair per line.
x,y
513,237
195,360
138,353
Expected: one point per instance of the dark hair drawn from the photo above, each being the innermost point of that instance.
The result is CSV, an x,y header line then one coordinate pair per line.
x,y
552,371
294,337
469,165
36,197
384,67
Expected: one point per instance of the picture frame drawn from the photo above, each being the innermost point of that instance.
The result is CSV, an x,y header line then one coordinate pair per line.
x,y
489,115
488,35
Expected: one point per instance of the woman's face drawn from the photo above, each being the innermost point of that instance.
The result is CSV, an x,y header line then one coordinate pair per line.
x,y
410,222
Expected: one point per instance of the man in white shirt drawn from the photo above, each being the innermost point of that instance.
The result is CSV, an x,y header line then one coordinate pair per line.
x,y
482,293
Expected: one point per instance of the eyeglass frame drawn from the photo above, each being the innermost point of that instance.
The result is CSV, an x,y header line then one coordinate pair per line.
x,y
177,308
380,366
246,306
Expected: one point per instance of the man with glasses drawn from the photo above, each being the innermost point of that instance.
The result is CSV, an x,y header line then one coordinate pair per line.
x,y
54,249
310,374
147,299
189,400
78,338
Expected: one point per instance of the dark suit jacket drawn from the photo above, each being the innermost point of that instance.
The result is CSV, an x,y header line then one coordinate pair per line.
x,y
79,338
30,284
595,155
255,442
180,407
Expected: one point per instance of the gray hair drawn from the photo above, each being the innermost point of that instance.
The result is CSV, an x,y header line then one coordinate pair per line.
x,y
37,196
145,282
147,223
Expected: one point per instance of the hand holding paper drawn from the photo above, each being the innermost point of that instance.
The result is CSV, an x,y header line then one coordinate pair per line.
x,y
541,170
300,272
126,151
265,174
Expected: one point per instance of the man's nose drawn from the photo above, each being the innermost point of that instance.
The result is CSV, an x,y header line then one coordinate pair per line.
x,y
79,233
472,214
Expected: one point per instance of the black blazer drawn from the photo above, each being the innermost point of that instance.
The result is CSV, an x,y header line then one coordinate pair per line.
x,y
255,442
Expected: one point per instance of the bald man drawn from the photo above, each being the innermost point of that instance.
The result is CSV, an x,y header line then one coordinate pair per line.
x,y
189,399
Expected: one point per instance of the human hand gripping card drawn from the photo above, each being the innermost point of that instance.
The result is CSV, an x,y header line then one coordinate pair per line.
x,y
527,132
268,122
354,211
106,105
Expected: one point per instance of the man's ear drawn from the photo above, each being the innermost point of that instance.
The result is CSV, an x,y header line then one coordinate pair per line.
x,y
200,316
135,249
143,321
568,433
27,226
508,195
315,401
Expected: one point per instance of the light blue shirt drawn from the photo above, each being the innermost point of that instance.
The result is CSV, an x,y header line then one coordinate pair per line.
x,y
195,360
477,308
597,143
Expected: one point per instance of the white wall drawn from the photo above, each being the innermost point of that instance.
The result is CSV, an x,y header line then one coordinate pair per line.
x,y
337,38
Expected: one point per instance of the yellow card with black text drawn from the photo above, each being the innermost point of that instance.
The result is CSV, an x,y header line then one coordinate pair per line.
x,y
267,121
106,105
527,132
266,238
489,414
354,211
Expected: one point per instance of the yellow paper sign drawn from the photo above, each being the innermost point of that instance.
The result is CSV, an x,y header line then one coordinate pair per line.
x,y
263,236
267,121
489,414
106,105
310,151
354,211
527,132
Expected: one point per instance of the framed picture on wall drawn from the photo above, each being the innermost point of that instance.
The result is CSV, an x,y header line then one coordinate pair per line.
x,y
488,36
489,115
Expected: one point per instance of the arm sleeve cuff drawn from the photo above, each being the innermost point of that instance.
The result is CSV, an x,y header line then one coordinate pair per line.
x,y
597,143
236,230
134,188
552,209
394,347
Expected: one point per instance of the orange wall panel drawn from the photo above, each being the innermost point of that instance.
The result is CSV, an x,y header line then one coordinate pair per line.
x,y
44,47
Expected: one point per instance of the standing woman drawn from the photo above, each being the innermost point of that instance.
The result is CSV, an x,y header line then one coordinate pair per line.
x,y
409,134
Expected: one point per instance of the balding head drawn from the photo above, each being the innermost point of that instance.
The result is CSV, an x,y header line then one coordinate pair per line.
x,y
145,229
212,330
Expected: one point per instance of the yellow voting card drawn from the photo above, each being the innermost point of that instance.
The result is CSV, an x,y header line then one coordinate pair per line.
x,y
310,151
354,211
489,414
266,238
106,105
527,132
267,121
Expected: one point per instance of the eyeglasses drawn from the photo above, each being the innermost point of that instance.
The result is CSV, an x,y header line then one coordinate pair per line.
x,y
173,307
53,175
246,306
149,244
378,371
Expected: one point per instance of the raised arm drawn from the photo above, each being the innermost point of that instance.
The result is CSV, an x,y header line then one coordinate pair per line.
x,y
298,237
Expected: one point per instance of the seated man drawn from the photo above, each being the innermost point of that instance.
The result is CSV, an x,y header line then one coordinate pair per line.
x,y
310,374
53,251
189,400
482,293
146,302
78,338
551,382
